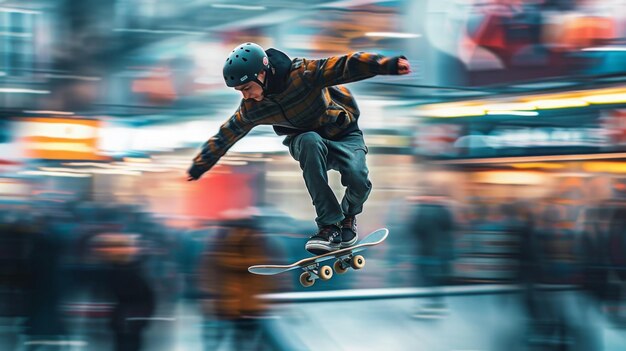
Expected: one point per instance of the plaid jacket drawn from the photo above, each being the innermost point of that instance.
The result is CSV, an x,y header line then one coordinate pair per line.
x,y
313,100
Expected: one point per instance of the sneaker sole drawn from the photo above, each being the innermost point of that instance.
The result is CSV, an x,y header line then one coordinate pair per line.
x,y
352,242
320,248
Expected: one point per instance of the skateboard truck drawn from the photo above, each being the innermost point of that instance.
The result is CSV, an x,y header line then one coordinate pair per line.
x,y
314,272
342,263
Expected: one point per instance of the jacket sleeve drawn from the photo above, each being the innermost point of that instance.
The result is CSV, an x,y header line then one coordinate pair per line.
x,y
235,128
351,68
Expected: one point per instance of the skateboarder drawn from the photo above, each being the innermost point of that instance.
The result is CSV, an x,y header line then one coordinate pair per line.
x,y
304,100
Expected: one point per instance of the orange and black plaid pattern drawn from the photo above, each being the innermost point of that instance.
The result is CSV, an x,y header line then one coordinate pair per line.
x,y
312,101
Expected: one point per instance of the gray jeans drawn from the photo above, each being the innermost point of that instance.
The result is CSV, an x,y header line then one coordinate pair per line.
x,y
317,156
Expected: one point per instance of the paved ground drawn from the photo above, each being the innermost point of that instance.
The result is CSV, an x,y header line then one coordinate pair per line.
x,y
472,322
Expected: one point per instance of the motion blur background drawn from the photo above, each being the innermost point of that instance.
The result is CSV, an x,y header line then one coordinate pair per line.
x,y
499,166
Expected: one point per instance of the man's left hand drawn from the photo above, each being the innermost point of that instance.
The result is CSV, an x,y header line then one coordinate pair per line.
x,y
404,67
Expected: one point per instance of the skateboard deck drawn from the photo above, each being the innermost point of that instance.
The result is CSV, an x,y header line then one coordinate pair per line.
x,y
344,259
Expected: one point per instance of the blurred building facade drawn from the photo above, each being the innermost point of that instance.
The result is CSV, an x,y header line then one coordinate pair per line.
x,y
517,109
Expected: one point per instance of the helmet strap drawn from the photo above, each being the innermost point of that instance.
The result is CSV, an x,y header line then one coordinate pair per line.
x,y
263,84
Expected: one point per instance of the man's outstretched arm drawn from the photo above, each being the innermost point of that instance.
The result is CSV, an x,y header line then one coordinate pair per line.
x,y
354,67
230,132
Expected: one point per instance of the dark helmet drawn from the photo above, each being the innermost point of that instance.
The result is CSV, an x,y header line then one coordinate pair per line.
x,y
244,64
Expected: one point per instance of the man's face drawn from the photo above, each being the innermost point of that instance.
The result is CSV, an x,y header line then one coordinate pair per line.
x,y
252,90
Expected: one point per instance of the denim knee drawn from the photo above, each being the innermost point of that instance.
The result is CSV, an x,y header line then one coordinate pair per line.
x,y
309,139
358,179
309,142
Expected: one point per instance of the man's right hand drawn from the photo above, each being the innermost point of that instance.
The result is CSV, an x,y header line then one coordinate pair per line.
x,y
194,173
404,67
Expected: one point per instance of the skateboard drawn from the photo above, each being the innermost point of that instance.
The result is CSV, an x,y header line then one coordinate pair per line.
x,y
344,259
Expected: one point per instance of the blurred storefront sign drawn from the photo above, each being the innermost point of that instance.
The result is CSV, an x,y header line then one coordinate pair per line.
x,y
545,136
527,105
587,132
59,138
509,177
604,167
224,189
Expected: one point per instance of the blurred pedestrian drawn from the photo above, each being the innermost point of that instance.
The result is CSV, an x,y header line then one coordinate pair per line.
x,y
617,260
595,251
432,223
16,241
43,319
133,295
231,294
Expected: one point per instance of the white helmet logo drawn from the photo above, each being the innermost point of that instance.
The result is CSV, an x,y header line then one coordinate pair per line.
x,y
244,78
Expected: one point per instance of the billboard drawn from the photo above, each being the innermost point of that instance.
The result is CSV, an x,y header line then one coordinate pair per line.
x,y
59,138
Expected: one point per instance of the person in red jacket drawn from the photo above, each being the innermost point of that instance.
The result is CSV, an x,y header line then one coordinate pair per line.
x,y
305,101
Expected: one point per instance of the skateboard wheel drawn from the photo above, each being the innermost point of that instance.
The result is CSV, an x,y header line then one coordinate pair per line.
x,y
326,273
338,267
305,279
357,262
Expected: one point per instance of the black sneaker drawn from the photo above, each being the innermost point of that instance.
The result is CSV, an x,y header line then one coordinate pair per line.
x,y
349,235
327,239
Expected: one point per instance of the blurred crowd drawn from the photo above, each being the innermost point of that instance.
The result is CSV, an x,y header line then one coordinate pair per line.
x,y
71,269
117,265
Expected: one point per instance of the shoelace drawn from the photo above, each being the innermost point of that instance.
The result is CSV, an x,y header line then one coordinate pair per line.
x,y
349,222
324,231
